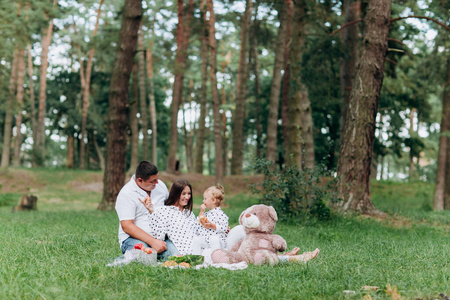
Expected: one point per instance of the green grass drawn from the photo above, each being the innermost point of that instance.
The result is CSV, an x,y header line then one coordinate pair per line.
x,y
61,252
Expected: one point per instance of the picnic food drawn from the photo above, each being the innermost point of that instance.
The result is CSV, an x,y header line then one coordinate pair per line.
x,y
203,220
193,260
184,264
169,263
143,248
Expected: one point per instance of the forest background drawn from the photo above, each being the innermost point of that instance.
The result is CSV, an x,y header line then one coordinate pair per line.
x,y
209,85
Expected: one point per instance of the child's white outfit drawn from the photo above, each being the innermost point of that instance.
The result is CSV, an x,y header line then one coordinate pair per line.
x,y
210,238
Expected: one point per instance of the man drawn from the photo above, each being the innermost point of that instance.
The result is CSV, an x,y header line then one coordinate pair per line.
x,y
134,217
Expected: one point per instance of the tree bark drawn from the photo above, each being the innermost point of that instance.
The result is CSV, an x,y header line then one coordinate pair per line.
x,y
350,36
133,121
142,93
6,150
70,152
188,134
357,144
151,97
87,88
180,68
241,83
274,102
201,132
412,133
442,187
116,138
32,97
215,94
20,81
287,73
39,144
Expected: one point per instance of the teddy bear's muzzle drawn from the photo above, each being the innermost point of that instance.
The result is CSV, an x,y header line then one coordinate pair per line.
x,y
250,221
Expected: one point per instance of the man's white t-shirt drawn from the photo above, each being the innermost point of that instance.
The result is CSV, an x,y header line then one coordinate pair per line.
x,y
128,206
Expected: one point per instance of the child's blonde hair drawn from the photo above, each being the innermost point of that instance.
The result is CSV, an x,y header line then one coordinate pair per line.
x,y
218,192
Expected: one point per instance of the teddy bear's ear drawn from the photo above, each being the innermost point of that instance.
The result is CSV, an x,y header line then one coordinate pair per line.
x,y
242,214
273,213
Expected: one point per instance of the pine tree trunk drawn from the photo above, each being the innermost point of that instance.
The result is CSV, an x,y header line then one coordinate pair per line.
x,y
254,56
201,132
239,113
86,90
20,81
32,97
180,68
287,73
142,93
39,145
151,97
187,134
274,102
350,36
133,121
215,94
357,144
70,152
8,112
442,187
116,138
412,133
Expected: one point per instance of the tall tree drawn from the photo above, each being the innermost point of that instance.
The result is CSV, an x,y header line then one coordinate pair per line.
x,y
241,83
215,94
350,36
20,91
357,144
151,95
31,87
133,121
116,138
142,93
201,131
285,84
442,187
8,113
86,86
182,37
39,144
274,102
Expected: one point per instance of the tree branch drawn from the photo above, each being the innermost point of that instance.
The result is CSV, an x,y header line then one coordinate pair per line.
x,y
422,17
346,25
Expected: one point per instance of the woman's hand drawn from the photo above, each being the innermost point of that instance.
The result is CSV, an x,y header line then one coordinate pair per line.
x,y
148,204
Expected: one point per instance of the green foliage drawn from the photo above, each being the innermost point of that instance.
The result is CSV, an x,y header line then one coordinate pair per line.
x,y
296,194
8,199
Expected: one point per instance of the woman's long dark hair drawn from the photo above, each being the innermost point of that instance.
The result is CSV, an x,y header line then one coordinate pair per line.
x,y
175,193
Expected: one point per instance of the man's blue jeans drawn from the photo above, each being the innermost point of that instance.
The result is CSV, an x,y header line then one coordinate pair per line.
x,y
129,243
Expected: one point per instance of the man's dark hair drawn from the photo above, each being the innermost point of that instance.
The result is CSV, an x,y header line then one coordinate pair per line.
x,y
145,169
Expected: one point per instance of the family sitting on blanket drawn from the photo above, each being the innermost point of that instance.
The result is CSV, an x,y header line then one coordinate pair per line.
x,y
150,215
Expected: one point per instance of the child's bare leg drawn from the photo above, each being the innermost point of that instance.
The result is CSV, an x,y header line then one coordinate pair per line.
x,y
294,251
304,257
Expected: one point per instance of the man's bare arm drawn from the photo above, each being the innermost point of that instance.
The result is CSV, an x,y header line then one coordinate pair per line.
x,y
134,231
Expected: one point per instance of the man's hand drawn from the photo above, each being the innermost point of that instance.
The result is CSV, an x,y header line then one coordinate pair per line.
x,y
158,245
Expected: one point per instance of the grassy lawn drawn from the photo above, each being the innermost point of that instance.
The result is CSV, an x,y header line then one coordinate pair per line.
x,y
61,251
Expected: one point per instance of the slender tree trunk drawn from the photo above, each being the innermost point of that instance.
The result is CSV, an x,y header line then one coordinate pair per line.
x,y
357,144
204,69
241,83
6,150
287,73
101,158
180,68
224,127
215,94
151,97
272,121
442,187
133,121
70,152
412,133
187,133
350,36
32,97
254,56
20,81
142,93
87,88
39,145
116,138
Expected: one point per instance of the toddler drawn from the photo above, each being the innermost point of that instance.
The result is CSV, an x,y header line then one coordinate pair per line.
x,y
214,223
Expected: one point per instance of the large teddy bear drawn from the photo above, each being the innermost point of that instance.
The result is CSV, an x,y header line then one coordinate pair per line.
x,y
260,245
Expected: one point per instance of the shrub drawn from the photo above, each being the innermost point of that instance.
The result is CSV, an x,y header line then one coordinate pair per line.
x,y
297,194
